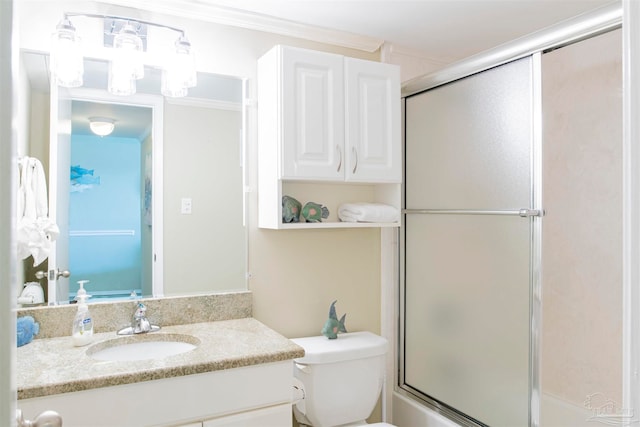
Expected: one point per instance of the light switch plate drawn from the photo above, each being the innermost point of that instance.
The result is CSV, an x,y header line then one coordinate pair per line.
x,y
185,207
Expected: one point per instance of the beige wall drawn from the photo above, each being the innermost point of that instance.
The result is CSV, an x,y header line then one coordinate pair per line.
x,y
582,229
296,274
204,251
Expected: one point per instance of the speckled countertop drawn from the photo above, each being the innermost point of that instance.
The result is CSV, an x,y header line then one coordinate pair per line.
x,y
53,365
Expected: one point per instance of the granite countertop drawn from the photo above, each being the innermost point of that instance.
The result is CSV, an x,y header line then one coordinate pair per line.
x,y
53,365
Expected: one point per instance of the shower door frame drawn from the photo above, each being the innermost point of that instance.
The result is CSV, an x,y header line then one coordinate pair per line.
x,y
582,27
533,214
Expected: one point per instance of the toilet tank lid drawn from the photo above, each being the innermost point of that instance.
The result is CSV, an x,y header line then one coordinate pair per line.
x,y
348,346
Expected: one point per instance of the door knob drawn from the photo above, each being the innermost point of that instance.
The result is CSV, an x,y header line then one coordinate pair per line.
x,y
53,274
45,419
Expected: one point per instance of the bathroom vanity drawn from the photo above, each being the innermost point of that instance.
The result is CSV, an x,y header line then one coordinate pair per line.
x,y
239,374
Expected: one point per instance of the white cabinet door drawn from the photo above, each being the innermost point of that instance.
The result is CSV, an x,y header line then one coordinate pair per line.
x,y
312,115
275,416
372,122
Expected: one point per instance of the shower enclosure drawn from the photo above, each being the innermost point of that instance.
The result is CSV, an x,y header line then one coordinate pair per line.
x,y
511,243
469,238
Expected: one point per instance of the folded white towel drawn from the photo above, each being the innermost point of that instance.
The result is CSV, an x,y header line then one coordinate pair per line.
x,y
368,212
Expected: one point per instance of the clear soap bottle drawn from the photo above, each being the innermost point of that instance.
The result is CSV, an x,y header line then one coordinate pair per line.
x,y
82,331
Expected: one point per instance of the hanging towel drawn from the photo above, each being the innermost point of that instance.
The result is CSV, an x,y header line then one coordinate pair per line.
x,y
35,230
368,212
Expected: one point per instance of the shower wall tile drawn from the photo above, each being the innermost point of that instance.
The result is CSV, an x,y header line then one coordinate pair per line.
x,y
582,229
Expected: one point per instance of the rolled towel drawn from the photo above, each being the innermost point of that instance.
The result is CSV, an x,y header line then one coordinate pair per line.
x,y
27,328
368,212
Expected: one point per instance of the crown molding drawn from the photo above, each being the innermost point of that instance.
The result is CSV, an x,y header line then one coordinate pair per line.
x,y
395,49
203,11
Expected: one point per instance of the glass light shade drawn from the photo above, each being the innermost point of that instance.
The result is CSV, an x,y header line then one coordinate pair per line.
x,y
67,63
101,126
186,62
179,72
171,85
127,51
121,81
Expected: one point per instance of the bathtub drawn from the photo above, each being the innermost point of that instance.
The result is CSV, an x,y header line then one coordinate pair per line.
x,y
409,413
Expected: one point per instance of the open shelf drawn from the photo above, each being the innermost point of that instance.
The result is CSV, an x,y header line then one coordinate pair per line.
x,y
328,194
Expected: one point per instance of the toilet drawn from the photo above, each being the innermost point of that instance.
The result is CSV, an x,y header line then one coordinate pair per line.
x,y
341,379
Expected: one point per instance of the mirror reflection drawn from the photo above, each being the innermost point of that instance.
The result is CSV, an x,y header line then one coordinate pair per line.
x,y
110,213
110,235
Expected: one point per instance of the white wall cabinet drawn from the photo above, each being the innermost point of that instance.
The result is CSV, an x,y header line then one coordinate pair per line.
x,y
325,120
253,396
312,111
372,124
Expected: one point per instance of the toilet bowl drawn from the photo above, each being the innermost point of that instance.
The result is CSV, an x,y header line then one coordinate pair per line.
x,y
341,379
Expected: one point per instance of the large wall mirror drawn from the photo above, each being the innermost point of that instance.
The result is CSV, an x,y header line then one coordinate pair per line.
x,y
155,208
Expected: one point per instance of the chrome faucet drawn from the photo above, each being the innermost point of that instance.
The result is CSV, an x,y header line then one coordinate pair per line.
x,y
140,323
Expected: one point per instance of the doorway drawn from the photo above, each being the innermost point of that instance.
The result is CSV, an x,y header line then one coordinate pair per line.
x,y
110,215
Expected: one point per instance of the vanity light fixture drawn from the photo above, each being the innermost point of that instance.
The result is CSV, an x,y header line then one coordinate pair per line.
x,y
127,37
101,126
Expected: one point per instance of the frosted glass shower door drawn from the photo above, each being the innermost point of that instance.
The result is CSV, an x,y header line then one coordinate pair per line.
x,y
466,249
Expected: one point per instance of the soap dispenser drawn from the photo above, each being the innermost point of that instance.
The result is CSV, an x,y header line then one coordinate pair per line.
x,y
82,331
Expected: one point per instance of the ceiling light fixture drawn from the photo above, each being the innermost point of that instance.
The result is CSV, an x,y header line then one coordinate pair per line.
x,y
101,126
128,39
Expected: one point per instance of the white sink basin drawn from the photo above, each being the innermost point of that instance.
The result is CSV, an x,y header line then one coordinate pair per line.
x,y
143,347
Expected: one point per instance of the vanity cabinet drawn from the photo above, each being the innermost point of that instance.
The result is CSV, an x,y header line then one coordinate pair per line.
x,y
275,416
252,396
326,120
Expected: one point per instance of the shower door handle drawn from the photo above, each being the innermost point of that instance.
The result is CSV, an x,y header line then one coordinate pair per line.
x,y
524,213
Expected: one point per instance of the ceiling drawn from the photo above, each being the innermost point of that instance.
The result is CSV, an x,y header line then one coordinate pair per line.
x,y
440,30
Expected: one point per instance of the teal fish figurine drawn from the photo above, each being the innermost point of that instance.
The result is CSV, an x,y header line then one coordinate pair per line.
x,y
290,209
314,212
332,326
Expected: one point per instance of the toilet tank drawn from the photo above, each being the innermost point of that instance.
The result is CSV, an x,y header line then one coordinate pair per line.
x,y
342,377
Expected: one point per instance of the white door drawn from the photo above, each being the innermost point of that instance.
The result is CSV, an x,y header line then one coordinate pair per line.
x,y
8,261
373,135
59,189
312,115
